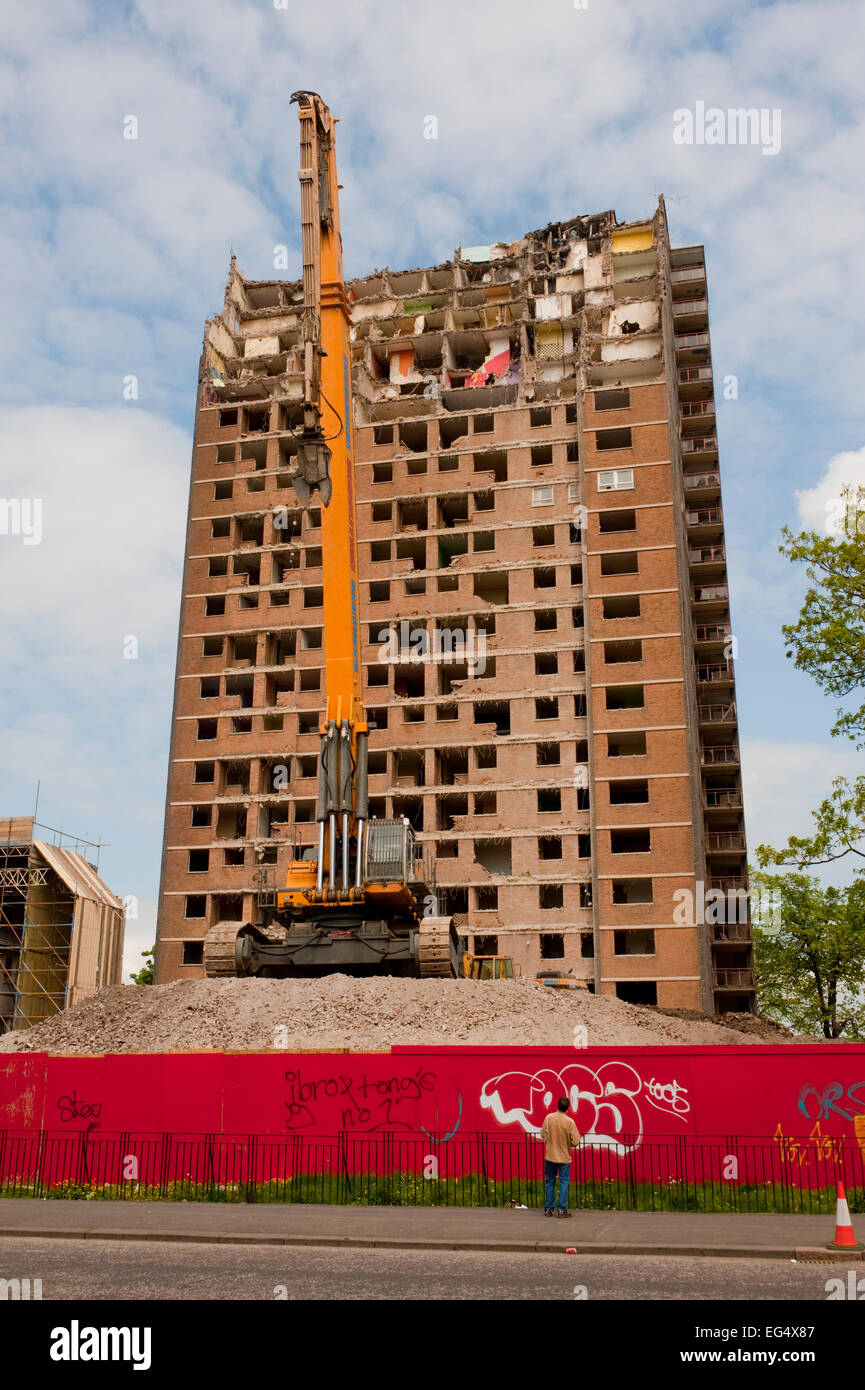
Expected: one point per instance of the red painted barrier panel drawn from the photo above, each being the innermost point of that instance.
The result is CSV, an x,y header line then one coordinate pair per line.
x,y
620,1097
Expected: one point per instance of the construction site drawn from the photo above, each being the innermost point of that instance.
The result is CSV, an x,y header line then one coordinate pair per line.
x,y
507,587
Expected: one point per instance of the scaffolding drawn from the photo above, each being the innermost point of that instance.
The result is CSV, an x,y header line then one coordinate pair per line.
x,y
61,930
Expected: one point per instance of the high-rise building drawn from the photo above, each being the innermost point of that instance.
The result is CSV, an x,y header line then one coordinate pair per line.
x,y
547,640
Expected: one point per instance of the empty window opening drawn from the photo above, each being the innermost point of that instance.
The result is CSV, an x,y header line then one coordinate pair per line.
x,y
550,847
631,745
552,945
382,434
630,841
623,519
613,439
493,461
551,896
492,586
494,855
629,793
486,946
625,697
382,472
199,861
542,454
616,653
543,535
546,620
549,799
587,945
196,904
544,577
619,562
486,899
628,891
452,428
546,663
448,808
483,424
193,952
618,398
638,942
540,416
621,606
413,435
643,992
497,712
227,418
547,707
382,511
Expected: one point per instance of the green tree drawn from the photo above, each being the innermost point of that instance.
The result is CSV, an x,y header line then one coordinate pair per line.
x,y
145,974
828,642
810,962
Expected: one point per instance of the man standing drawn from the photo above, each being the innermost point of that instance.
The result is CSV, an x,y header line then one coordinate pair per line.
x,y
560,1136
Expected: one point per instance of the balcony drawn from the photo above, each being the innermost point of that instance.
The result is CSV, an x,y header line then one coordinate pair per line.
x,y
691,347
722,798
714,673
729,933
697,410
719,754
718,714
727,884
688,274
713,556
711,634
683,308
708,596
694,376
725,842
734,979
699,444
708,483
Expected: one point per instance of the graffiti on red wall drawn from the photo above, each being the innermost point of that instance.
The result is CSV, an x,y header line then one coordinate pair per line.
x,y
366,1103
606,1104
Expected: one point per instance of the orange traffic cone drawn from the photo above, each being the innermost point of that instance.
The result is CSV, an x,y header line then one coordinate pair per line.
x,y
844,1236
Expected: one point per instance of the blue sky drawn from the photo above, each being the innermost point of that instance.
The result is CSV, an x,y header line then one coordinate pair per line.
x,y
115,251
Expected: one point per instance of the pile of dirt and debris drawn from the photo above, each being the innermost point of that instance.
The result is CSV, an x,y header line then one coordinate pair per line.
x,y
339,1012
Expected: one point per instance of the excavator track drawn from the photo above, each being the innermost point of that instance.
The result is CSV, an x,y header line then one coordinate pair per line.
x,y
434,947
220,950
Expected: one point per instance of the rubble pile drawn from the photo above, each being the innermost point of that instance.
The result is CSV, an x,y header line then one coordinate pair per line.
x,y
337,1012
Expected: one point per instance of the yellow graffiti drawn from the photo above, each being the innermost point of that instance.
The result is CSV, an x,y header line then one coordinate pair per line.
x,y
800,1151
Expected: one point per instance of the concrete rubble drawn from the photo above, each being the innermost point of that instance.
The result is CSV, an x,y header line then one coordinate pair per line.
x,y
339,1013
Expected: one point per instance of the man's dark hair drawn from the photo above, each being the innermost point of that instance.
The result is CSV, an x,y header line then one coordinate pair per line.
x,y
563,1103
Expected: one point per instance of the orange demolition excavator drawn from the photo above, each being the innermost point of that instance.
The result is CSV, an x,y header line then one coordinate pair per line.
x,y
361,901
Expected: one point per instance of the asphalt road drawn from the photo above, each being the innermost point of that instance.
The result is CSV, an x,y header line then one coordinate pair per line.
x,y
96,1269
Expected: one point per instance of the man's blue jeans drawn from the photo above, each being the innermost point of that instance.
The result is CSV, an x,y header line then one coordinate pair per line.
x,y
562,1171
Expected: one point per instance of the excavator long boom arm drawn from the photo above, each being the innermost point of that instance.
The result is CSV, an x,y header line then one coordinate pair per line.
x,y
325,465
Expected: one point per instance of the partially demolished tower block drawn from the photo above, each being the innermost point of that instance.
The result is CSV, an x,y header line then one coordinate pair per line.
x,y
61,928
547,641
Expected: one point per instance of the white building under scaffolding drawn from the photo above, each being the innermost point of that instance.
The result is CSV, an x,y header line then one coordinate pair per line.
x,y
61,928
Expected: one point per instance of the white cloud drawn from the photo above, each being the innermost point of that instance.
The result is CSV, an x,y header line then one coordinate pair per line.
x,y
821,505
